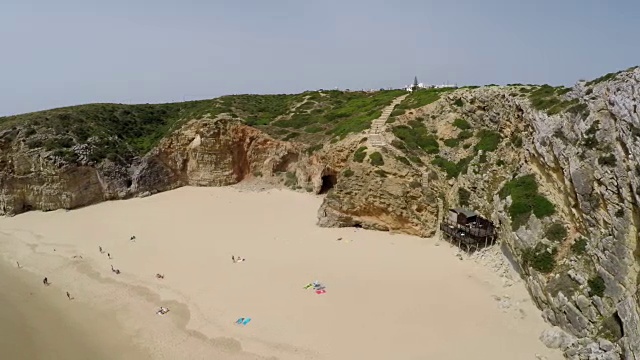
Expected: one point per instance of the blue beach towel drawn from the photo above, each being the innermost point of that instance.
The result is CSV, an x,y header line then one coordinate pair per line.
x,y
246,321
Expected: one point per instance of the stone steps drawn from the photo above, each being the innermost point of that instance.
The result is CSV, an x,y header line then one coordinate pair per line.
x,y
375,139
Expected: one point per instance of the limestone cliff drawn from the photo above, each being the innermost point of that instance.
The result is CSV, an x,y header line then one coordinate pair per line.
x,y
555,168
201,153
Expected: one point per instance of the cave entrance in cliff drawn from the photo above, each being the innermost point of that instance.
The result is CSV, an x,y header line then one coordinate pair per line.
x,y
328,182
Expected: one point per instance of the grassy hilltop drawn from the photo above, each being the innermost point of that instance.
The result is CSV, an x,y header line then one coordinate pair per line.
x,y
120,131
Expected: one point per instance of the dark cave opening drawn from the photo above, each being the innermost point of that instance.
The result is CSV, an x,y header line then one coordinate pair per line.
x,y
357,226
612,328
129,183
328,182
619,322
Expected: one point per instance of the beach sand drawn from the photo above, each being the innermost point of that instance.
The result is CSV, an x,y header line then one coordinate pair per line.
x,y
387,296
36,325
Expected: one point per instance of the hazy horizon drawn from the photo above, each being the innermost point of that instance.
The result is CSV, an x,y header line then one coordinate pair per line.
x,y
73,52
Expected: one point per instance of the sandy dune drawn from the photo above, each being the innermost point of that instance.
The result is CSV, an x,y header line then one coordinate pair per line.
x,y
388,296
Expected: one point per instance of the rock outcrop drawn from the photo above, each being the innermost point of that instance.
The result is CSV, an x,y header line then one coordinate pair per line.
x,y
201,153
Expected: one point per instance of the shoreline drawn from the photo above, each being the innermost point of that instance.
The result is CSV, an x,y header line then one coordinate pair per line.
x,y
38,322
376,280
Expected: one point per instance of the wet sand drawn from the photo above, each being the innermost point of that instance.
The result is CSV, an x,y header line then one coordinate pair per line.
x,y
388,296
38,322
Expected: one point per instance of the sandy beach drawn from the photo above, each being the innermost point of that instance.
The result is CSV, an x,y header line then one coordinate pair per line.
x,y
387,296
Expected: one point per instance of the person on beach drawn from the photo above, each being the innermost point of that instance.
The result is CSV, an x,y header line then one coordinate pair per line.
x,y
233,258
68,295
109,255
45,282
100,249
160,276
133,238
17,262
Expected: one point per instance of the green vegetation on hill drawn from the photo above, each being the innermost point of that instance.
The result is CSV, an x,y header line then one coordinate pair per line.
x,y
463,196
548,98
488,140
556,232
416,136
333,114
596,286
422,97
525,200
375,158
461,124
360,154
540,258
607,77
579,246
465,134
453,169
120,132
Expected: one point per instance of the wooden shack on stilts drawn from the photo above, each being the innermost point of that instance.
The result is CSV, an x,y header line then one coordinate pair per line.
x,y
468,230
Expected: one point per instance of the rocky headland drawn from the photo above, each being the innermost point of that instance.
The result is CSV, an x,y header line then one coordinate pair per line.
x,y
554,167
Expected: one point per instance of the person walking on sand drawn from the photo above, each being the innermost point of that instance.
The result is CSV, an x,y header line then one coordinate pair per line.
x,y
45,282
68,295
109,256
233,258
100,249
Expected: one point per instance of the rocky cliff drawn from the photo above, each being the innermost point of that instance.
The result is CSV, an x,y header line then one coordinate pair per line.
x,y
555,168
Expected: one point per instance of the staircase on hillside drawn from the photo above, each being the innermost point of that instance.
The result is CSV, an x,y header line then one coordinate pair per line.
x,y
375,138
425,180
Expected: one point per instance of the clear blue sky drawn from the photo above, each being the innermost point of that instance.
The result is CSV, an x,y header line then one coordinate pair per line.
x,y
66,52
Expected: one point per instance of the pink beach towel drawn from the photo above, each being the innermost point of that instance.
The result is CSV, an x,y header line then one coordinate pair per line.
x,y
320,291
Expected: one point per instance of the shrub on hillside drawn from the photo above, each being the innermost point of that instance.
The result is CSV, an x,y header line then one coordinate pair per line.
x,y
607,160
516,140
452,169
380,173
596,286
465,134
556,232
360,154
463,196
525,200
417,137
403,160
590,141
376,159
540,258
579,246
461,124
452,142
488,140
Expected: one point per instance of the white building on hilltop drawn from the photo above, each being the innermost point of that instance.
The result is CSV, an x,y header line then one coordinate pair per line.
x,y
416,85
